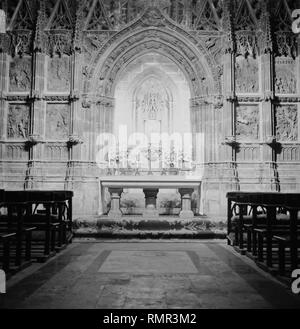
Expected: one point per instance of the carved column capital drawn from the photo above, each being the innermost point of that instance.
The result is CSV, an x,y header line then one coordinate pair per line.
x,y
75,140
74,96
231,97
34,139
268,96
36,95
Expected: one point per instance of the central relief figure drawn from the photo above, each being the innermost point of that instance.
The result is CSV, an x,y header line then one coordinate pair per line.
x,y
152,117
152,114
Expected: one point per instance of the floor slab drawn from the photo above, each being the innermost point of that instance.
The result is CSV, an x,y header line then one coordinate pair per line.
x,y
152,274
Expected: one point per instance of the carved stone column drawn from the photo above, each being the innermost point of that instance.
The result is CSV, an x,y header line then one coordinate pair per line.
x,y
3,89
76,128
150,203
186,203
35,167
228,117
115,195
269,175
3,82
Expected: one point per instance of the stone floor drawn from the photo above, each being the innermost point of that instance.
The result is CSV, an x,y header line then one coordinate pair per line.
x,y
153,274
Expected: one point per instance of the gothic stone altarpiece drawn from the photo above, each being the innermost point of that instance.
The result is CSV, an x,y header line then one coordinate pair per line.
x,y
61,62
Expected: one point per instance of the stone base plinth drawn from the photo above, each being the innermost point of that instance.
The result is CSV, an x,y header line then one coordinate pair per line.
x,y
186,214
150,213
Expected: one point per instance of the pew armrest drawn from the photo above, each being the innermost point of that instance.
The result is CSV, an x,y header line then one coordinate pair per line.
x,y
7,235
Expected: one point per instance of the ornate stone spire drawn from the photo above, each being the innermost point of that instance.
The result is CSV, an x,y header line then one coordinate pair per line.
x,y
40,24
79,24
227,26
266,40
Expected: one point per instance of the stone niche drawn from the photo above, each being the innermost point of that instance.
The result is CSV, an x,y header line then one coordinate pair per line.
x,y
286,117
18,120
20,72
59,73
285,77
58,121
247,122
247,77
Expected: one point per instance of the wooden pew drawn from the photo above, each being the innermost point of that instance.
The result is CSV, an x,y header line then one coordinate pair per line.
x,y
58,205
5,255
53,222
268,234
15,237
243,216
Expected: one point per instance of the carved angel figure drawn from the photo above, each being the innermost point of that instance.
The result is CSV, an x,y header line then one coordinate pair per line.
x,y
19,75
58,74
286,123
151,100
247,122
18,121
57,121
285,82
246,75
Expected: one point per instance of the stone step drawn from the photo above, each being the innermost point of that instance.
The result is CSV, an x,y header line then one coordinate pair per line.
x,y
163,227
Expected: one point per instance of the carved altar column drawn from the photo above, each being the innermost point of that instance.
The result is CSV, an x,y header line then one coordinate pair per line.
x,y
186,203
150,203
115,196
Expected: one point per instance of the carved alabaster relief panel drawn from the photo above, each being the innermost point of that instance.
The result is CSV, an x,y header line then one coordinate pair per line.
x,y
18,121
57,121
247,122
20,74
286,119
247,76
285,77
59,73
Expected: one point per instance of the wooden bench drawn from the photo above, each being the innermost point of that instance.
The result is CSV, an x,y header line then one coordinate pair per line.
x,y
16,240
268,233
50,212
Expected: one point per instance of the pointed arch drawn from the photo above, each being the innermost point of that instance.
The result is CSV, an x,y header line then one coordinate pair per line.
x,y
168,38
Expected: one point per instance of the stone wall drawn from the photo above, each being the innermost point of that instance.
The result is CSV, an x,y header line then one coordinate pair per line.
x,y
60,61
